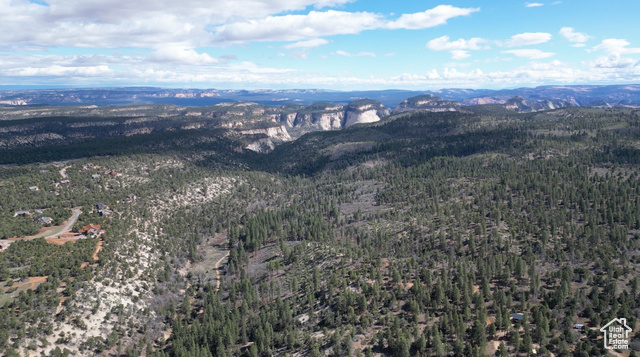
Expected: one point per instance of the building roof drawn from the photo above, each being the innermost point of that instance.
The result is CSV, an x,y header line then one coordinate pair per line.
x,y
103,212
91,226
517,316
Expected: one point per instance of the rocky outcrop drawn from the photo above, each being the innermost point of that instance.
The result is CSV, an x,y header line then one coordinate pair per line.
x,y
320,116
274,132
482,101
327,116
364,111
262,146
520,105
14,102
427,102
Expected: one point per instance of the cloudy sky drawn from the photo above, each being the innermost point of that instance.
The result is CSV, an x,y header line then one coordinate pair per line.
x,y
329,44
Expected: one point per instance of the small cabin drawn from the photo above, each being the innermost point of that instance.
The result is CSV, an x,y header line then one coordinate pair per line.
x,y
44,220
105,212
517,317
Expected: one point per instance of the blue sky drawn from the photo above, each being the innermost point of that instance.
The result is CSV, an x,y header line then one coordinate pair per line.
x,y
329,44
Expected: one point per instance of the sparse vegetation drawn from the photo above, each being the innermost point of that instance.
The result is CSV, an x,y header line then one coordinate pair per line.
x,y
423,242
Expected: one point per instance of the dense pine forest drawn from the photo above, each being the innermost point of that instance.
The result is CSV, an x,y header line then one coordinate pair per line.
x,y
470,233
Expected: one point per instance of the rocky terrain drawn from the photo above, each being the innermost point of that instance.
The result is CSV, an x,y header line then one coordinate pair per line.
x,y
255,126
427,102
258,127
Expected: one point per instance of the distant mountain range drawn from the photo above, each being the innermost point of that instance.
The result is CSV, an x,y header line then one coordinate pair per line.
x,y
538,98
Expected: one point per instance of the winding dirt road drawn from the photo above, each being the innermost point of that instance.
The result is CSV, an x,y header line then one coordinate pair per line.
x,y
70,222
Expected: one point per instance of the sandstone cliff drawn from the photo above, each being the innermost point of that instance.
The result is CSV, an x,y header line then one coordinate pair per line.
x,y
364,111
427,102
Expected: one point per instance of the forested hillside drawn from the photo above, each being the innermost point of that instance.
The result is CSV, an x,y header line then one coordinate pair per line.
x,y
424,234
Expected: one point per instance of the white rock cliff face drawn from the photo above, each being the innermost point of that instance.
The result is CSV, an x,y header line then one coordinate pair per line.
x,y
336,117
275,132
368,116
320,120
328,121
427,103
289,119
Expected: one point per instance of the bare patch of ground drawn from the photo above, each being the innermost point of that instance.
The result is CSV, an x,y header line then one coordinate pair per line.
x,y
193,194
31,283
98,248
214,252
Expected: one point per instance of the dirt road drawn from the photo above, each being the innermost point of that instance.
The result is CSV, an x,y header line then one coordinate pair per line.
x,y
217,268
63,172
67,227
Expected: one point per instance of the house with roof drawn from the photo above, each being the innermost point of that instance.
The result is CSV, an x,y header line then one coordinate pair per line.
x,y
91,230
616,334
22,213
44,220
101,206
517,317
105,212
34,188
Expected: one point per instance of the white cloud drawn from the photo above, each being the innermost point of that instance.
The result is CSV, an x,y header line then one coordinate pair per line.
x,y
533,4
459,48
613,60
530,53
430,18
571,35
614,45
330,22
459,54
528,38
60,71
181,56
299,55
29,69
443,44
125,23
359,54
307,44
615,49
297,27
